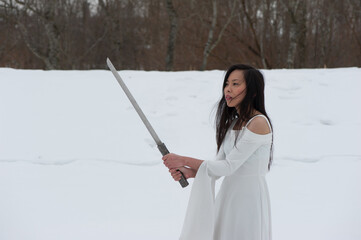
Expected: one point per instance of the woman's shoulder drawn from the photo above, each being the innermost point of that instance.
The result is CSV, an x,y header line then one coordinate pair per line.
x,y
259,125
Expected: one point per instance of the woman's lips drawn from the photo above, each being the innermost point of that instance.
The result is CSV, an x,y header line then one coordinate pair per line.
x,y
228,98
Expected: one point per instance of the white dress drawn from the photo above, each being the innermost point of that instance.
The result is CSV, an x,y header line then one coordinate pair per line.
x,y
241,210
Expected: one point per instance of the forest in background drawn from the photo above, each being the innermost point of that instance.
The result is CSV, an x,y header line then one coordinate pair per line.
x,y
173,35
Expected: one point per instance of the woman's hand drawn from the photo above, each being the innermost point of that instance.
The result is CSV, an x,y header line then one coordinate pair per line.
x,y
188,173
172,160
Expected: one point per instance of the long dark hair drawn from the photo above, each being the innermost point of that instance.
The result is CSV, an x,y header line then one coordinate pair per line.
x,y
254,100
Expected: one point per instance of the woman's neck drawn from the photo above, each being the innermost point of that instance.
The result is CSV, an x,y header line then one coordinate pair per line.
x,y
253,112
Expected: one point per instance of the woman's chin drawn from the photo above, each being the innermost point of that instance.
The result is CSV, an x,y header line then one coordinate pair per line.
x,y
230,105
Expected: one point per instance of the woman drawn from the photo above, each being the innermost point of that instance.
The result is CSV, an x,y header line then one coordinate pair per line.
x,y
244,136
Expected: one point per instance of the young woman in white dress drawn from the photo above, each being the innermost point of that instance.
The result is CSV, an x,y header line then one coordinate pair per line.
x,y
244,134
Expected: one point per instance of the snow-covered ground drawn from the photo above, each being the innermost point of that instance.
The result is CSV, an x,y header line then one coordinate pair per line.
x,y
76,162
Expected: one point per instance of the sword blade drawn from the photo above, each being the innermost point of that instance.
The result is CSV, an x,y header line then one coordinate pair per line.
x,y
134,103
161,146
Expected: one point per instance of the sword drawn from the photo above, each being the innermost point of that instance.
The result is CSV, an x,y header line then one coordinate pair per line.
x,y
161,146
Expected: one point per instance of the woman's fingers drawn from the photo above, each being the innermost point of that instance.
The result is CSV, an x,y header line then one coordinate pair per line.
x,y
165,157
175,174
172,160
177,178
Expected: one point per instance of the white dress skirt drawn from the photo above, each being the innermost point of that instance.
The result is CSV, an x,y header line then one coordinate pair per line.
x,y
241,210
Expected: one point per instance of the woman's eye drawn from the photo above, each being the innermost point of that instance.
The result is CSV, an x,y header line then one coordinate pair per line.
x,y
235,84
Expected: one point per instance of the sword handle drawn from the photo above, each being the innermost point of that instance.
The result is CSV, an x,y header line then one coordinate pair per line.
x,y
163,149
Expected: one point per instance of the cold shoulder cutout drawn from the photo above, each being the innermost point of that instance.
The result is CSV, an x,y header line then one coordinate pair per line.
x,y
259,125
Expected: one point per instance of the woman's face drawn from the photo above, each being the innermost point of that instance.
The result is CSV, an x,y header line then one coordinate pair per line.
x,y
235,88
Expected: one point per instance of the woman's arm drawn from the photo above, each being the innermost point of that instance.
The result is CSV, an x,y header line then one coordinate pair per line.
x,y
226,165
193,163
174,161
188,172
188,166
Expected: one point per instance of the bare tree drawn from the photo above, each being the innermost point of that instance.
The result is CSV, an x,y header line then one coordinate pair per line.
x,y
296,9
173,19
352,18
258,31
45,11
109,9
211,44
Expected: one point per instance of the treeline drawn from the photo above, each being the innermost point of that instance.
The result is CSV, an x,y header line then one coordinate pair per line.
x,y
179,34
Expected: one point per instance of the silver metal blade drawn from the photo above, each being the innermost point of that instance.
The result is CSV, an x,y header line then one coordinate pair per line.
x,y
134,103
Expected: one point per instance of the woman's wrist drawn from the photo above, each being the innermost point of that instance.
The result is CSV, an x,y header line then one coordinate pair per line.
x,y
192,163
185,161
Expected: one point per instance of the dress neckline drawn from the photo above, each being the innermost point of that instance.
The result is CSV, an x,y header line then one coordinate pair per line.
x,y
245,126
235,120
234,131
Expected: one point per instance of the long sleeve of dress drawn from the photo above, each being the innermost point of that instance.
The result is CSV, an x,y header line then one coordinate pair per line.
x,y
244,148
198,221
